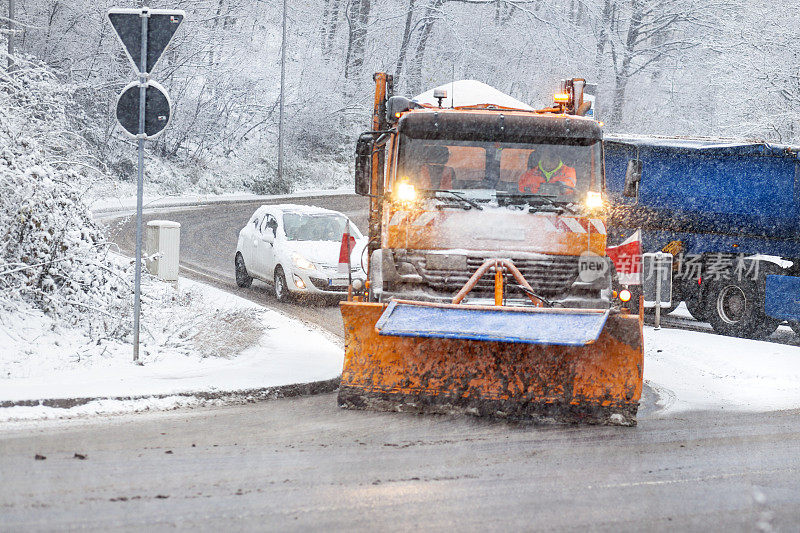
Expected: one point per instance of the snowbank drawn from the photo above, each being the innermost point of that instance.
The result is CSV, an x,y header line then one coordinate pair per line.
x,y
701,371
39,360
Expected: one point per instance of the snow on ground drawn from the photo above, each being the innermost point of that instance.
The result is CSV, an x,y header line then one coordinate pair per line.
x,y
198,338
18,416
693,370
701,371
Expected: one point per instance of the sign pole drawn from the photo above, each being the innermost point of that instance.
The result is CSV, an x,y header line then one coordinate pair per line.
x,y
280,112
658,263
349,268
134,28
137,290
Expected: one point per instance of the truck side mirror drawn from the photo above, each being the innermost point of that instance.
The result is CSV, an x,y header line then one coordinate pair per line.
x,y
632,178
364,148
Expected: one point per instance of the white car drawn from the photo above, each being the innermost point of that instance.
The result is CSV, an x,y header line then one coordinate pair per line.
x,y
296,248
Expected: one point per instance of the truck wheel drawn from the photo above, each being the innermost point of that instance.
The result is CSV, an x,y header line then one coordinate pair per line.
x,y
735,308
243,279
282,292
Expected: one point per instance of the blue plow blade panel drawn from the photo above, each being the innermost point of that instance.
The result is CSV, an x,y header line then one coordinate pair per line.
x,y
562,327
782,297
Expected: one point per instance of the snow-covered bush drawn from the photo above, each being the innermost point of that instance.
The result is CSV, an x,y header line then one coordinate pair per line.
x,y
52,253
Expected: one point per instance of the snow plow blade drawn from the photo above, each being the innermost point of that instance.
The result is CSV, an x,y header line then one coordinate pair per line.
x,y
564,365
562,327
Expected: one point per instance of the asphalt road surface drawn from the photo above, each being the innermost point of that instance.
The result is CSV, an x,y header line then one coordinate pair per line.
x,y
302,463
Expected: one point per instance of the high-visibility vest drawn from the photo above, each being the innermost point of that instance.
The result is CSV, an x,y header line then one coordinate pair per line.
x,y
534,177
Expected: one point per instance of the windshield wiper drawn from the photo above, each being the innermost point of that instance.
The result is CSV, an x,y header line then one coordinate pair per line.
x,y
534,200
457,195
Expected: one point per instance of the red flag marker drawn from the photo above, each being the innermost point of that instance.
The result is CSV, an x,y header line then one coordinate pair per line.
x,y
627,258
348,244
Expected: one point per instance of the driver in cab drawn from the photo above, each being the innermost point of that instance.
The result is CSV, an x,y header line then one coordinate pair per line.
x,y
545,166
434,172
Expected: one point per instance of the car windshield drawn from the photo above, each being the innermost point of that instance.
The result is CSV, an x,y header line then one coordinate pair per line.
x,y
322,227
559,171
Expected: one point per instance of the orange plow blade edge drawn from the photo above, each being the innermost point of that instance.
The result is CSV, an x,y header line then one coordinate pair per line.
x,y
600,382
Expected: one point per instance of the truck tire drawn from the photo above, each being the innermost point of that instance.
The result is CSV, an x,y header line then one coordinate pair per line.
x,y
736,308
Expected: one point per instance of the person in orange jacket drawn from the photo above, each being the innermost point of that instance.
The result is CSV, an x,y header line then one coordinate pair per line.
x,y
434,172
545,166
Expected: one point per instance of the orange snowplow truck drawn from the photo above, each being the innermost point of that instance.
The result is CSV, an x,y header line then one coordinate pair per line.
x,y
489,290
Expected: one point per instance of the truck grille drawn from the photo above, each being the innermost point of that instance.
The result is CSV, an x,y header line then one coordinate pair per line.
x,y
548,275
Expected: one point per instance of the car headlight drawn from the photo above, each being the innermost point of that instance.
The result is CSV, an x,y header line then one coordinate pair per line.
x,y
301,262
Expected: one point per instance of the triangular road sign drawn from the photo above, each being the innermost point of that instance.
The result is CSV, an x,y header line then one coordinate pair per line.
x,y
161,27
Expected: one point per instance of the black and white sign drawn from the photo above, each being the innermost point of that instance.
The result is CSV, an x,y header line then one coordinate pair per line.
x,y
161,27
158,109
657,279
143,107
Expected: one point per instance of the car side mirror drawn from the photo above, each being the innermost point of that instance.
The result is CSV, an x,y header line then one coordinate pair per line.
x,y
364,148
632,178
268,237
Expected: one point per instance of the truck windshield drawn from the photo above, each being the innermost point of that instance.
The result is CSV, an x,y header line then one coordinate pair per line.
x,y
559,171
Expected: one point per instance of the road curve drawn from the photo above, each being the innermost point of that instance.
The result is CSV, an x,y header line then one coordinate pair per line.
x,y
302,463
208,245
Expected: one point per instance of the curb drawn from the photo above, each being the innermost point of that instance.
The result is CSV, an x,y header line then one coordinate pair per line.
x,y
241,396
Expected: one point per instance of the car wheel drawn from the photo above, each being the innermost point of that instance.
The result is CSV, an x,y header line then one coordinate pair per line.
x,y
734,308
282,292
243,279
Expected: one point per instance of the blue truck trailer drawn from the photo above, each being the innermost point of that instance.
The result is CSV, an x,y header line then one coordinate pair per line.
x,y
729,212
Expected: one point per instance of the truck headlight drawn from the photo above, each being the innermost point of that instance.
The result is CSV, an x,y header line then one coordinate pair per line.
x,y
594,200
301,262
405,192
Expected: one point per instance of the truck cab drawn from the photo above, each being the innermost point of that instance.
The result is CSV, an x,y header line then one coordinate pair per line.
x,y
457,186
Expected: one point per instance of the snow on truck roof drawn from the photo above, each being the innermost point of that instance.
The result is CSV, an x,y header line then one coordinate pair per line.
x,y
464,93
710,144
